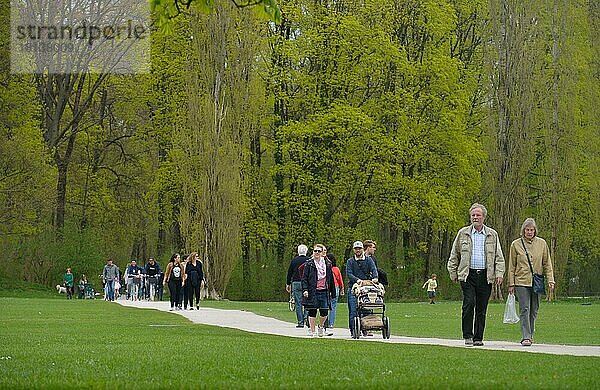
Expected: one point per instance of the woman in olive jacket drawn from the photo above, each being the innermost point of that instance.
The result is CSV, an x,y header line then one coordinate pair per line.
x,y
520,277
318,287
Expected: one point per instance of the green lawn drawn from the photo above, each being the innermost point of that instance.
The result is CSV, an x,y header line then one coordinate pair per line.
x,y
558,322
55,343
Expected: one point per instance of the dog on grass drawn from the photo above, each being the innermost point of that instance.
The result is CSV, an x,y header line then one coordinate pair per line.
x,y
61,289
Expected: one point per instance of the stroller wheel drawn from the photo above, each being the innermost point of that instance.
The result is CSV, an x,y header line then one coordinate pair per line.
x,y
356,328
386,328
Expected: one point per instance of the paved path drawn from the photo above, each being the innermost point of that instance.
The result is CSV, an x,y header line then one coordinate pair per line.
x,y
251,322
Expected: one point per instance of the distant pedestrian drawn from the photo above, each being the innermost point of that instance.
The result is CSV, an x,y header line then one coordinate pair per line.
x,y
69,283
359,267
193,278
174,279
108,276
476,261
132,276
294,283
431,285
185,289
152,272
529,254
370,247
339,290
318,288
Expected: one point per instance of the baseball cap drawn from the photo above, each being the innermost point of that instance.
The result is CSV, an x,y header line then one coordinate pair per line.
x,y
357,244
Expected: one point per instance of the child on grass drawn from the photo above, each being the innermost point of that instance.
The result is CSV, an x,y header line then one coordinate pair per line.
x,y
431,284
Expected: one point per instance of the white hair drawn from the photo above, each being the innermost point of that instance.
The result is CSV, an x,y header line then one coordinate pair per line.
x,y
479,206
302,249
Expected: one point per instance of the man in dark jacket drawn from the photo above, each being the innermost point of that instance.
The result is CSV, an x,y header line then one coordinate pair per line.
x,y
358,267
294,282
318,287
152,271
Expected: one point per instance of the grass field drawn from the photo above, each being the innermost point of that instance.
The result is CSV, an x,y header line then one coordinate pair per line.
x,y
55,343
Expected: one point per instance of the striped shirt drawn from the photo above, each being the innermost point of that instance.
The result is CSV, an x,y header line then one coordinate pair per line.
x,y
478,249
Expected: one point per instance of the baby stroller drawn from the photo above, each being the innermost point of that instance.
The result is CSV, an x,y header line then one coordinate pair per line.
x,y
88,291
370,309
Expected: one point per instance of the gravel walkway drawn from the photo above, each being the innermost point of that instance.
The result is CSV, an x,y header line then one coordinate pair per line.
x,y
251,322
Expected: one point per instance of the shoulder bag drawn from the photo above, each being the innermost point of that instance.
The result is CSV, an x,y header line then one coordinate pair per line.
x,y
538,280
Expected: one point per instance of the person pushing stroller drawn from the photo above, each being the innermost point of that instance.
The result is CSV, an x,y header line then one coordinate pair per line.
x,y
358,267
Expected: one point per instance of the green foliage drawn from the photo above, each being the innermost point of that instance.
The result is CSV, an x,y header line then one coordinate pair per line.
x,y
166,10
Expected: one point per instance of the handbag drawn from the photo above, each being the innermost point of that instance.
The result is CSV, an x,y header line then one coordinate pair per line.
x,y
538,280
510,310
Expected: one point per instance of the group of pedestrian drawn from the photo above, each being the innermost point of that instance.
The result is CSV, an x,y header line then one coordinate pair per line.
x,y
477,261
69,284
185,280
316,283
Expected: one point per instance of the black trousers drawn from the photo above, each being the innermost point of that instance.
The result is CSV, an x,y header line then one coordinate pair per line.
x,y
476,294
175,292
194,290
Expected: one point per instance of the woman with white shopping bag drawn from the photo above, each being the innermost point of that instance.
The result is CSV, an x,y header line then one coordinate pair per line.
x,y
528,264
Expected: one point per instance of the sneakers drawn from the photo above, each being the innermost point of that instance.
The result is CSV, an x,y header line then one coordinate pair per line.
x,y
197,307
469,342
478,343
310,332
526,343
328,332
300,326
321,331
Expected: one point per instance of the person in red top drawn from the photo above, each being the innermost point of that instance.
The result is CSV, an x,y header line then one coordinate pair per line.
x,y
339,290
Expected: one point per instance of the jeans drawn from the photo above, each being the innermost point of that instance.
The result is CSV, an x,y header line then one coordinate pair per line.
x,y
110,290
297,291
130,288
476,294
529,303
331,318
351,309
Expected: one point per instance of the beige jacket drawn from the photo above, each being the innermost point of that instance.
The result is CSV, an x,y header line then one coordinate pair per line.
x,y
460,256
519,273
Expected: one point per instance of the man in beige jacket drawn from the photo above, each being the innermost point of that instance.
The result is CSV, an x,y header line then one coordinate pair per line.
x,y
476,261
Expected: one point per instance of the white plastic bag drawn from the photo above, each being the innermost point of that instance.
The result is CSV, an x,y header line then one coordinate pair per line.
x,y
510,311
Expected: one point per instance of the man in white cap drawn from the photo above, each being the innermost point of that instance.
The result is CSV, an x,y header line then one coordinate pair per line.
x,y
358,267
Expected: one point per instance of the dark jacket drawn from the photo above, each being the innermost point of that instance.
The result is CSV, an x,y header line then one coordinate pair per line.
x,y
194,273
309,283
293,275
363,270
152,270
382,275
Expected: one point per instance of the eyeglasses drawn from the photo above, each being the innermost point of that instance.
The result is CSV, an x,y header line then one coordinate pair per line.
x,y
316,251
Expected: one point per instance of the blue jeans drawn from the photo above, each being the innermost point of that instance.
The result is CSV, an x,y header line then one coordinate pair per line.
x,y
110,290
331,318
297,291
351,309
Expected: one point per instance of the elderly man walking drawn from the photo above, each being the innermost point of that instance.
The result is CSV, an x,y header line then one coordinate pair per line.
x,y
476,261
294,283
